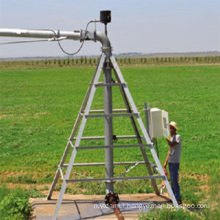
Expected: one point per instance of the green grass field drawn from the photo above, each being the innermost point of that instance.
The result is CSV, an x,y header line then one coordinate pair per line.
x,y
39,108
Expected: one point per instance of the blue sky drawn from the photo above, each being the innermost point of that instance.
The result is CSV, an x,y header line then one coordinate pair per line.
x,y
146,26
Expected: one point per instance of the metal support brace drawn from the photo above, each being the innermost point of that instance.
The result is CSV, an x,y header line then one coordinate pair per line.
x,y
102,137
109,84
103,164
61,172
113,146
115,179
111,115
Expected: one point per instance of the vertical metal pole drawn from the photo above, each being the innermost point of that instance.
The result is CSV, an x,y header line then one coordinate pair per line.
x,y
148,119
108,124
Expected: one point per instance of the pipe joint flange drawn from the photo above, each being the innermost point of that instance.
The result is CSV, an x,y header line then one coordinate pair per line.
x,y
106,49
111,199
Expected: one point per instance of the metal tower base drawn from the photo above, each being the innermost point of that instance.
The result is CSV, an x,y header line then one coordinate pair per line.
x,y
107,63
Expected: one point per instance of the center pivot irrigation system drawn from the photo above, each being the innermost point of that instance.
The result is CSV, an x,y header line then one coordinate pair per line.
x,y
108,65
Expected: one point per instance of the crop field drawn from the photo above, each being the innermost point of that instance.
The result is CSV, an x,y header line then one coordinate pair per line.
x,y
38,109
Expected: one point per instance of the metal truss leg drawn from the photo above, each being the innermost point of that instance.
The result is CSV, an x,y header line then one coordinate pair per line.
x,y
79,117
88,104
143,129
170,191
153,181
57,175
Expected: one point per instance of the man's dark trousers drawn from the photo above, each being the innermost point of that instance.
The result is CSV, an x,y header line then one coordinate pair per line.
x,y
174,177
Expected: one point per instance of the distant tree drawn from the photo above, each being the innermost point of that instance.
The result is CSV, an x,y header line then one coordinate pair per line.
x,y
202,59
72,61
129,60
90,61
85,59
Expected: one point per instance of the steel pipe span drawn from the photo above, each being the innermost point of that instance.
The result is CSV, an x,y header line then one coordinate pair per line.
x,y
47,33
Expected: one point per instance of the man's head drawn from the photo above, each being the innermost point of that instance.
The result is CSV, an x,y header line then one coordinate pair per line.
x,y
173,127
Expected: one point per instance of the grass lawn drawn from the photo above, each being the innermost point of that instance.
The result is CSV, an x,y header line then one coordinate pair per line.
x,y
38,109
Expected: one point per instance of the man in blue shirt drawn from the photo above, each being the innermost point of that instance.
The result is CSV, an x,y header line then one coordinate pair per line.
x,y
173,158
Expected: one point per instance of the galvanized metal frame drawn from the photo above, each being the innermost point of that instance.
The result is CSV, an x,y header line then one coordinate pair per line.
x,y
85,113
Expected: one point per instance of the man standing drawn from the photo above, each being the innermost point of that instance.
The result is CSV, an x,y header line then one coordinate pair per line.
x,y
173,158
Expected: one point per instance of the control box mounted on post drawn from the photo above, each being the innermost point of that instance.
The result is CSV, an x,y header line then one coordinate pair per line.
x,y
159,123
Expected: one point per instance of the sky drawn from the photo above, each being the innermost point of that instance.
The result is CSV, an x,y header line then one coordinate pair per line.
x,y
143,26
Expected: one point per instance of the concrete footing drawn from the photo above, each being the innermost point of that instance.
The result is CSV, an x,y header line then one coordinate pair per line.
x,y
93,206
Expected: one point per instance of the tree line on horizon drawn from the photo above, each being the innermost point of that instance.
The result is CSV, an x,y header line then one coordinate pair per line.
x,y
123,61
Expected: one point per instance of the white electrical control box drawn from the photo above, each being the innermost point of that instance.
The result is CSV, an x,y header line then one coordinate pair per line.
x,y
159,123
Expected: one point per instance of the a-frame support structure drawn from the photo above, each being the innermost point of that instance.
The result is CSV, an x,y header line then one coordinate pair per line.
x,y
107,63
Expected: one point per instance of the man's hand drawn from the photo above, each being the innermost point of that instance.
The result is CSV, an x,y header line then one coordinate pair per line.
x,y
165,165
170,143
